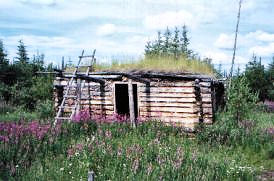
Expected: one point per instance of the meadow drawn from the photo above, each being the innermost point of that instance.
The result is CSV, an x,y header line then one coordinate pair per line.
x,y
35,150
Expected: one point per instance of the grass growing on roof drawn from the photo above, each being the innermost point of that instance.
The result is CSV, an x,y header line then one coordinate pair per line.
x,y
167,64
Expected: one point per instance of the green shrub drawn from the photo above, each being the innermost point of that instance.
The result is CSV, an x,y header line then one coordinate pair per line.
x,y
234,126
45,109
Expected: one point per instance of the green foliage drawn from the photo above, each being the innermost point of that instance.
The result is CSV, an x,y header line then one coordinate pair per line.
x,y
45,109
240,99
20,85
237,124
3,56
170,44
256,78
270,79
118,152
22,53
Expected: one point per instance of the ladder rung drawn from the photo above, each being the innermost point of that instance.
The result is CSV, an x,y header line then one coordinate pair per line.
x,y
70,107
70,96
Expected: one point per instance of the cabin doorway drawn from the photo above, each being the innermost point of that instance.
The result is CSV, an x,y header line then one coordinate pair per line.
x,y
122,101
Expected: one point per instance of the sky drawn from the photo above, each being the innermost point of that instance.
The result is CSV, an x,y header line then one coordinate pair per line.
x,y
119,29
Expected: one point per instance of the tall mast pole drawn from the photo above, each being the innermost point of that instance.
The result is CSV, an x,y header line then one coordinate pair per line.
x,y
235,40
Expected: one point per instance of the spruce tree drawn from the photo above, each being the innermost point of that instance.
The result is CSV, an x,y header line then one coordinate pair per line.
x,y
270,80
184,41
166,47
22,53
3,55
256,77
175,43
148,49
159,44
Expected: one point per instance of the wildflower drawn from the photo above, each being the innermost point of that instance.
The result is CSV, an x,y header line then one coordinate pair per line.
x,y
62,169
70,172
70,164
135,165
149,168
17,166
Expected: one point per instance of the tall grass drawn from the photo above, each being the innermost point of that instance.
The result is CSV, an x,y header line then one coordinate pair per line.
x,y
152,151
167,64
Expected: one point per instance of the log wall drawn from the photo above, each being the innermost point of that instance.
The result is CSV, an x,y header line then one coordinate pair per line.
x,y
184,103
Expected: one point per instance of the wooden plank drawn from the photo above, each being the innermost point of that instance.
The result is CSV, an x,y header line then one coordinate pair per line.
x,y
168,114
170,84
165,104
174,120
167,100
103,102
206,100
207,110
206,95
131,103
205,84
169,109
98,107
205,90
168,95
167,89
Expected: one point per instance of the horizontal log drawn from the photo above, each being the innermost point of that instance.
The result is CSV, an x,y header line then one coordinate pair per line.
x,y
207,111
169,109
206,95
167,114
205,90
167,89
167,100
165,104
97,107
206,100
205,84
167,95
170,84
174,120
95,102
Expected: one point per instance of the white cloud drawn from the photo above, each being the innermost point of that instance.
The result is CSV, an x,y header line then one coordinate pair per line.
x,y
258,42
261,36
106,29
224,41
170,19
224,58
267,50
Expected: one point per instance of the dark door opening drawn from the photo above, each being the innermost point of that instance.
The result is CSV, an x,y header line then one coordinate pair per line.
x,y
121,99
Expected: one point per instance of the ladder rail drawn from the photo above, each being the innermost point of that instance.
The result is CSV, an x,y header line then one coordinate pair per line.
x,y
83,84
60,110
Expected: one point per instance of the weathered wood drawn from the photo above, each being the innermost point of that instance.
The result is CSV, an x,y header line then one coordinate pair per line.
x,y
174,120
170,84
169,109
131,103
167,104
169,95
168,114
167,100
173,104
168,89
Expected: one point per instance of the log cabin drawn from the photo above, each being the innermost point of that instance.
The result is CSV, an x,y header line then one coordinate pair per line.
x,y
182,99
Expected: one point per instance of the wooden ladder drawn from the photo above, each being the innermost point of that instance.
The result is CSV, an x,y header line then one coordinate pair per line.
x,y
77,97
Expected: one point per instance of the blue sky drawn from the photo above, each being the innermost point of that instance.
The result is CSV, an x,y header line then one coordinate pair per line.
x,y
119,29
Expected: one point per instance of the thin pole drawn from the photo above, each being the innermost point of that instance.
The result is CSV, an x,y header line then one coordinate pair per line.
x,y
131,103
235,41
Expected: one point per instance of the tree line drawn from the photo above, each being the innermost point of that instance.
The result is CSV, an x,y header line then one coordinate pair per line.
x,y
170,44
19,83
175,44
